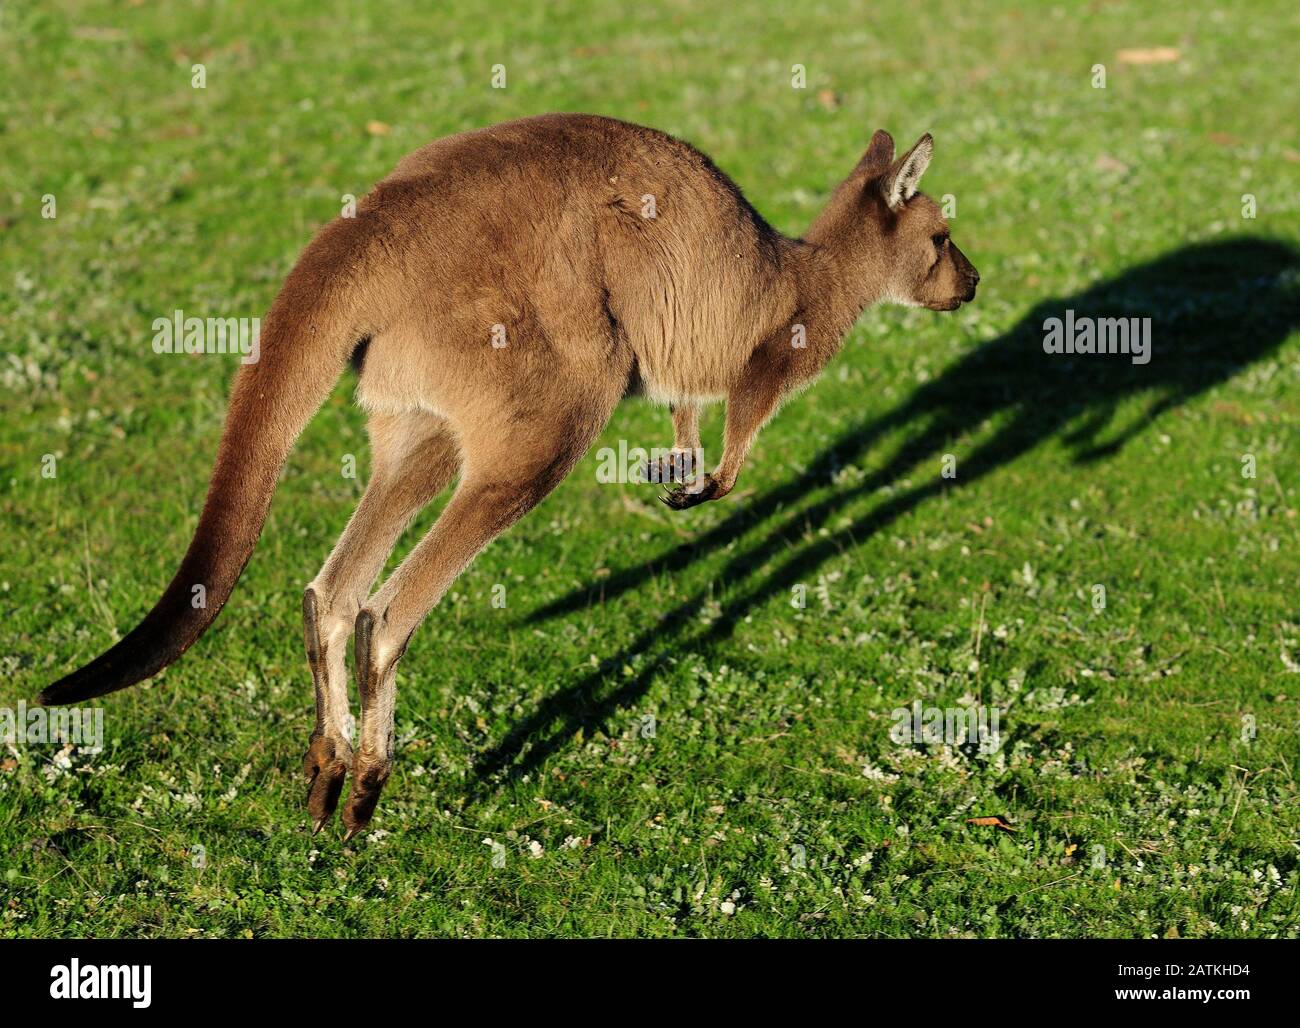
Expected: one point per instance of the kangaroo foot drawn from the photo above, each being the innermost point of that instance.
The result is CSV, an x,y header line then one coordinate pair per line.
x,y
326,765
374,759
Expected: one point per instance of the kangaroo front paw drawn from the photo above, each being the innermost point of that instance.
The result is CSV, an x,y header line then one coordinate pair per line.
x,y
694,493
326,765
674,466
368,777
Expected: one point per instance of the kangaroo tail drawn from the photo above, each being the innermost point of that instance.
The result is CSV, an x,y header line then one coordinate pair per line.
x,y
310,332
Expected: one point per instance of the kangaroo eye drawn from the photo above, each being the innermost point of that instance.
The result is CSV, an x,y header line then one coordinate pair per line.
x,y
939,240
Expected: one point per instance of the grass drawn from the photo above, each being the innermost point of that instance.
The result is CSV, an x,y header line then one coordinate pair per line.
x,y
650,739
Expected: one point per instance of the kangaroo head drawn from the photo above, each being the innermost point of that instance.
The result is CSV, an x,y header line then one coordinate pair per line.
x,y
892,242
924,267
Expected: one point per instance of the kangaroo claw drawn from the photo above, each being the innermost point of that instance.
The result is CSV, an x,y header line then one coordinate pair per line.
x,y
692,494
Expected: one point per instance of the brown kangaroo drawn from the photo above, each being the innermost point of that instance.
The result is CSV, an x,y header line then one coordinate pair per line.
x,y
501,291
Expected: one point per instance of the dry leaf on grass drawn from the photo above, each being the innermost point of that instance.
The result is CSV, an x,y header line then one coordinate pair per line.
x,y
1148,55
991,822
377,128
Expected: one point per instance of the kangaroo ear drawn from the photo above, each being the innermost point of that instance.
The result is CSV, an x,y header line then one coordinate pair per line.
x,y
903,178
879,154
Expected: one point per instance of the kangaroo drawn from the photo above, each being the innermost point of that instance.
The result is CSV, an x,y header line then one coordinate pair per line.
x,y
500,291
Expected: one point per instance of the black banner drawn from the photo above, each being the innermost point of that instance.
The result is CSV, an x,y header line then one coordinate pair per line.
x,y
146,978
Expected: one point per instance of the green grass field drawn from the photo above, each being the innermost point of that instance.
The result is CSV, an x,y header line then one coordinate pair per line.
x,y
650,738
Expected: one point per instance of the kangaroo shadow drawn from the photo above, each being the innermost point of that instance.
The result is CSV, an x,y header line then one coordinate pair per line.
x,y
1214,307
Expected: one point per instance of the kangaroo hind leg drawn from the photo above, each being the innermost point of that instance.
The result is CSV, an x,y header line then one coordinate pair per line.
x,y
414,455
511,463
